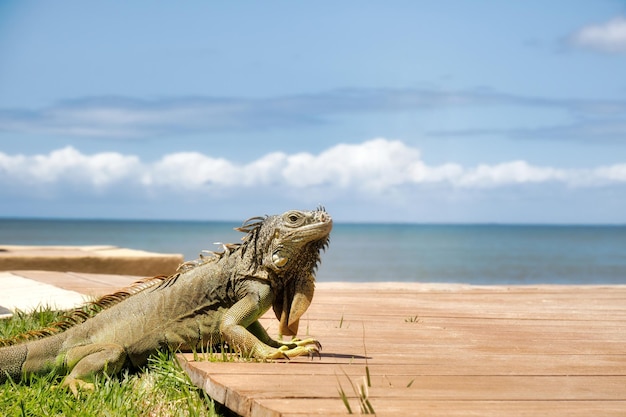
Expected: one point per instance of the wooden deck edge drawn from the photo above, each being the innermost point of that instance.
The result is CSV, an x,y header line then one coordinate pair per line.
x,y
88,259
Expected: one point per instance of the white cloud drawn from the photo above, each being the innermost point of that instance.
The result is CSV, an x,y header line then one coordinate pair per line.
x,y
613,173
606,37
371,168
372,165
515,172
68,165
190,170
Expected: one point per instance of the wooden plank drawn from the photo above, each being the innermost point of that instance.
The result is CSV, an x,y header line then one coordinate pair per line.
x,y
449,350
431,387
435,364
94,285
307,407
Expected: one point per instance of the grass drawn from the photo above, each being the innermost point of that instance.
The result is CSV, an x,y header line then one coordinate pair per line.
x,y
341,322
220,353
21,321
413,319
161,389
361,391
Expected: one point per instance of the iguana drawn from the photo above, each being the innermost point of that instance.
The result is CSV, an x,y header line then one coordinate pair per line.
x,y
214,299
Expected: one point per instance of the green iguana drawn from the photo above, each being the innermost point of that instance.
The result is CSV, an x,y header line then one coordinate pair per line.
x,y
215,299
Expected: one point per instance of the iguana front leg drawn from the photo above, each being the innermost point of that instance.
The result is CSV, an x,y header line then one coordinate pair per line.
x,y
238,325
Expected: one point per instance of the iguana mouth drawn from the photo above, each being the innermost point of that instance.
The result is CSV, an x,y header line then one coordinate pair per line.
x,y
323,217
321,228
324,221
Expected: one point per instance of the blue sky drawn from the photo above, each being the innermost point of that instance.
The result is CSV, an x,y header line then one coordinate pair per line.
x,y
404,111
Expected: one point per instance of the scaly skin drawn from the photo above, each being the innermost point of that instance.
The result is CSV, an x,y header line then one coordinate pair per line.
x,y
209,301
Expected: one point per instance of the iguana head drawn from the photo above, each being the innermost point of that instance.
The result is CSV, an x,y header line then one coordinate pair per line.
x,y
295,239
289,245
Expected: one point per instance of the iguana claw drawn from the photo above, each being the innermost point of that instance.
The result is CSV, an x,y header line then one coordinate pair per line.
x,y
309,341
75,385
310,347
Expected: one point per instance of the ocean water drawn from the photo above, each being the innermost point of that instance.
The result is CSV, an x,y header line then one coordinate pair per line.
x,y
475,254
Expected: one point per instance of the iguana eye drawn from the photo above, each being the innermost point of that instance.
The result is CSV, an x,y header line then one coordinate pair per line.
x,y
294,218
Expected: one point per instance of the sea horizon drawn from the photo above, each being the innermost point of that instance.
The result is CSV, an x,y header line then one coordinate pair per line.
x,y
343,222
472,253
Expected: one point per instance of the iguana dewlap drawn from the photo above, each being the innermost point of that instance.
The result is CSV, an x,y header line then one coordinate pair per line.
x,y
209,301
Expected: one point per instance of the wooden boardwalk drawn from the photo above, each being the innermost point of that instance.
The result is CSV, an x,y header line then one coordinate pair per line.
x,y
431,350
442,350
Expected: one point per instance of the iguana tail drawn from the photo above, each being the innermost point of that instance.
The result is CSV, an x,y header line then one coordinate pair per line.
x,y
11,361
39,350
37,356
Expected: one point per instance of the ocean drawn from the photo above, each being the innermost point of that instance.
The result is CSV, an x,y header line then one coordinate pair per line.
x,y
473,254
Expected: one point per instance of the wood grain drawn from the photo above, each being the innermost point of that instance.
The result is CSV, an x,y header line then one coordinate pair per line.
x,y
442,350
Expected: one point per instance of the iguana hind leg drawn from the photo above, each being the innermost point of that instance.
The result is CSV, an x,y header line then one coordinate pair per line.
x,y
88,360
